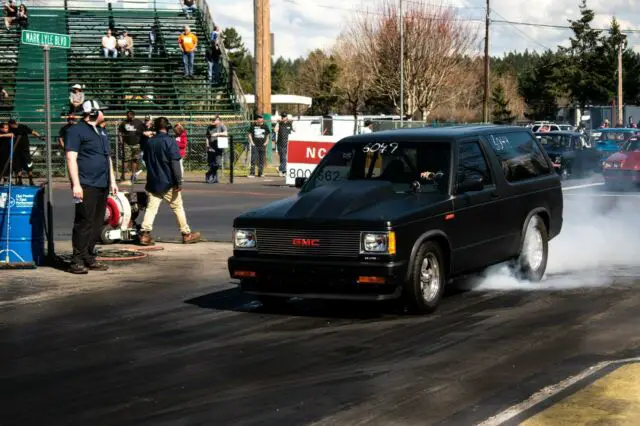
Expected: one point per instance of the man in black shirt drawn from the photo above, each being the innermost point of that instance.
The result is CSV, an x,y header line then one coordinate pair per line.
x,y
214,151
258,139
23,150
62,134
212,55
130,131
285,128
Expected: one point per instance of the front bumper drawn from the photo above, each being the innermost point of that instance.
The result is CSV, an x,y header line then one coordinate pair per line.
x,y
318,279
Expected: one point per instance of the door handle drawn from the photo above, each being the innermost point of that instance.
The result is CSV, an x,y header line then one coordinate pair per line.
x,y
494,194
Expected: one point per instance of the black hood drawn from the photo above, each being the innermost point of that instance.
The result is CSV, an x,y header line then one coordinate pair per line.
x,y
347,201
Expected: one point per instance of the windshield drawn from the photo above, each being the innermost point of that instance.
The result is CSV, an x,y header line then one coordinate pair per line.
x,y
632,145
614,136
400,163
554,141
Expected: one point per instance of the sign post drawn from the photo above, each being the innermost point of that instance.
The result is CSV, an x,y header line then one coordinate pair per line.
x,y
47,41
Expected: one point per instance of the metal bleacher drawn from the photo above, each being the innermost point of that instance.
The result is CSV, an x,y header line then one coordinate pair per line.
x,y
147,85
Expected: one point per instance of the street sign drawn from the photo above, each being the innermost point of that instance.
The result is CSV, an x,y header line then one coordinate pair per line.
x,y
46,39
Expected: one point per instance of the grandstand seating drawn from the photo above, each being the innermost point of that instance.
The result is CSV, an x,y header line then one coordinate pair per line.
x,y
147,85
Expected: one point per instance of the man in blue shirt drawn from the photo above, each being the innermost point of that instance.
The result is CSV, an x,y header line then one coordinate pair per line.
x,y
164,182
92,178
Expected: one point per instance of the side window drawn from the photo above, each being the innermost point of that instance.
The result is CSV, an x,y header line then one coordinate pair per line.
x,y
520,156
472,164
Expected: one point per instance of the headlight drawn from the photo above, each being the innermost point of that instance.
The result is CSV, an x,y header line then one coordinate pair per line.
x,y
607,164
379,242
244,238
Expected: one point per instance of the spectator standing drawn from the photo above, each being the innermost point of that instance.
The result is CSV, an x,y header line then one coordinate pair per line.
x,y
188,44
164,182
215,34
129,132
62,134
5,150
76,99
283,129
22,19
212,55
188,7
92,178
181,141
109,44
10,13
23,150
153,41
258,139
214,151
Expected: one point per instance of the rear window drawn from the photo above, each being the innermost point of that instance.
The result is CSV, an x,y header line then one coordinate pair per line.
x,y
520,156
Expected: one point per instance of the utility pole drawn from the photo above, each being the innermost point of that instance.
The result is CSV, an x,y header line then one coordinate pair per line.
x,y
401,64
262,56
485,105
620,102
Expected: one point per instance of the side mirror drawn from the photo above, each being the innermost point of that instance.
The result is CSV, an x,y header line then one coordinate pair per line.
x,y
300,181
470,185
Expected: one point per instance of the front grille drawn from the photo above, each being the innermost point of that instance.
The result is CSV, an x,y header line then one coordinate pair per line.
x,y
329,243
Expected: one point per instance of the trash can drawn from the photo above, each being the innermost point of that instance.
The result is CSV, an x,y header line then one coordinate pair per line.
x,y
22,238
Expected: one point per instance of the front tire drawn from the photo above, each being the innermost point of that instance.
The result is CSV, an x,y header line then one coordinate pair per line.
x,y
425,286
531,264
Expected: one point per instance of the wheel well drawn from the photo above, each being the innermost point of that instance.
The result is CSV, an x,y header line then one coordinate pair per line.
x,y
446,250
545,218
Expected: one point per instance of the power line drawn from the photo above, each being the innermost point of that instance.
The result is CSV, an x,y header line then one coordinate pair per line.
x,y
557,27
525,35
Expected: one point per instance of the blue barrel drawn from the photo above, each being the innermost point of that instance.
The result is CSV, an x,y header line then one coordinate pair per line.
x,y
22,237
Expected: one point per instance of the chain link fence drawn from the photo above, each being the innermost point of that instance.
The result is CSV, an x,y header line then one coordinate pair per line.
x,y
195,162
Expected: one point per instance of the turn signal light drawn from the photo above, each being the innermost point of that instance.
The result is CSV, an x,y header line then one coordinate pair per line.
x,y
370,280
244,274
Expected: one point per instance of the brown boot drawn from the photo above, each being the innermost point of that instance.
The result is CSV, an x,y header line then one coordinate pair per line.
x,y
145,239
191,238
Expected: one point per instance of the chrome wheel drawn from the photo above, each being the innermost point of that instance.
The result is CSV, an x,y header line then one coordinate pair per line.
x,y
533,246
430,277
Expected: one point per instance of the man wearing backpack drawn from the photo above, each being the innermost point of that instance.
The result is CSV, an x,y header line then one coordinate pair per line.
x,y
212,55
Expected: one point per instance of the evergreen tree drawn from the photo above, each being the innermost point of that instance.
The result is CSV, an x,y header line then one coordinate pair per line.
x,y
239,58
500,111
586,74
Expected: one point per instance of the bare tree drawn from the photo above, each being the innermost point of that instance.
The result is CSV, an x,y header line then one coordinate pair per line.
x,y
354,80
436,44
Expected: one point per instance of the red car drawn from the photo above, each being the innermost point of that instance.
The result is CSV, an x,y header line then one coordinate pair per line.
x,y
623,167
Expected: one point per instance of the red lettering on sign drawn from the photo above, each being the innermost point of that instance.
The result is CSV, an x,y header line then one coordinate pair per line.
x,y
303,152
303,242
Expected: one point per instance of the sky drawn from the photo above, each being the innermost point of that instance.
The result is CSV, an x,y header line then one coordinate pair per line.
x,y
300,26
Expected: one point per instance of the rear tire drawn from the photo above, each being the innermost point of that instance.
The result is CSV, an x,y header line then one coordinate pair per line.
x,y
104,236
531,263
425,286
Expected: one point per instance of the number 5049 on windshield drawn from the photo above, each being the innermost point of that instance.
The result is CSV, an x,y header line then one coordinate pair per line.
x,y
380,147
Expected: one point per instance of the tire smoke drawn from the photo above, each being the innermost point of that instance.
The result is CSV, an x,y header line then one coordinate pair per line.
x,y
599,242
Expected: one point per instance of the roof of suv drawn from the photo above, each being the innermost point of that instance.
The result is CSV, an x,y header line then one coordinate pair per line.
x,y
435,134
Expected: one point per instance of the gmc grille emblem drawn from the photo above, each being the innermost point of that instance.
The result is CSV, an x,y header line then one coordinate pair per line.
x,y
304,242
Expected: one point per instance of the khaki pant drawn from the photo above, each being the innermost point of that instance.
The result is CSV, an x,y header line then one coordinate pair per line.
x,y
174,198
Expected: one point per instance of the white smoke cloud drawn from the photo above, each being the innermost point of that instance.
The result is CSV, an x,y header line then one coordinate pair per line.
x,y
599,242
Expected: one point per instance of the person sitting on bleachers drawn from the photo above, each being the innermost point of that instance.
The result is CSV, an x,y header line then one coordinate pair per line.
x,y
125,44
188,7
215,34
4,99
10,13
22,20
76,99
109,45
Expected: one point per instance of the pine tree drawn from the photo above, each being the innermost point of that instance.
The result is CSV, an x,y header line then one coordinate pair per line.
x,y
501,112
